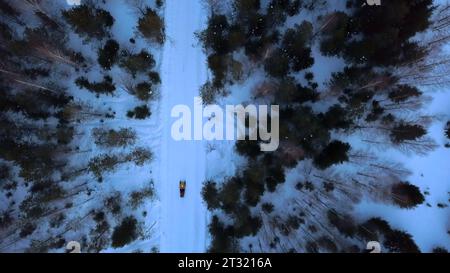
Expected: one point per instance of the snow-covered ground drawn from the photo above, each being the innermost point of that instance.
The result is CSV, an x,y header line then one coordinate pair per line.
x,y
428,224
184,70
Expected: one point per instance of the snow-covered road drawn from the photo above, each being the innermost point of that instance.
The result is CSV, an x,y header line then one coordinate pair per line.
x,y
184,70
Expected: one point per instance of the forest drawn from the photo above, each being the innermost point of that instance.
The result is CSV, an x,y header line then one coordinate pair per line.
x,y
374,101
85,104
64,129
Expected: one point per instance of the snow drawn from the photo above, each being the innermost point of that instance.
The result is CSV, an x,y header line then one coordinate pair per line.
x,y
184,70
431,173
73,2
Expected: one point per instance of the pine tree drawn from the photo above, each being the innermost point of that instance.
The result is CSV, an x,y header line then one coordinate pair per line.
x,y
336,118
404,92
152,26
105,87
406,195
222,241
125,233
296,45
139,112
144,91
138,63
112,138
215,36
267,207
336,152
88,21
210,195
407,132
400,242
108,55
277,65
335,33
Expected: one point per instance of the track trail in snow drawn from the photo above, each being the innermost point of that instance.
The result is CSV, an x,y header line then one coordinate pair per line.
x,y
184,70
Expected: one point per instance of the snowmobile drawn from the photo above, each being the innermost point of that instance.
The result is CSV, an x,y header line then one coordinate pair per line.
x,y
182,188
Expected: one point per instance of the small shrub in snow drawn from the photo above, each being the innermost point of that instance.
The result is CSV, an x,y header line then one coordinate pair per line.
x,y
267,207
103,163
291,225
108,162
440,250
138,63
152,26
159,3
139,112
57,220
154,249
140,156
113,203
78,58
144,91
112,138
137,197
154,77
104,87
107,56
27,230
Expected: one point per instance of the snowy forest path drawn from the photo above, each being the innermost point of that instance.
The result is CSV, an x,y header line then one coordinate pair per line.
x,y
184,70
